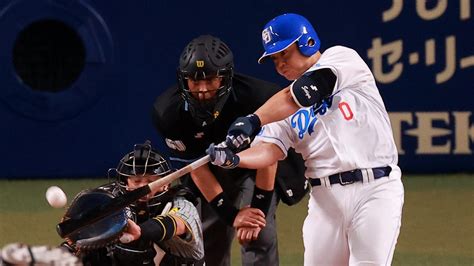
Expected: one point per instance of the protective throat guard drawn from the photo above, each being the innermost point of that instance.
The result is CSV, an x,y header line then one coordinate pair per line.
x,y
205,112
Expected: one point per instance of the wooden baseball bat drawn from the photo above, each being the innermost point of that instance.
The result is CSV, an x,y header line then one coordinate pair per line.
x,y
69,226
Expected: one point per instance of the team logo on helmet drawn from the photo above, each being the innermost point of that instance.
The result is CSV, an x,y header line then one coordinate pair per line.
x,y
266,35
200,63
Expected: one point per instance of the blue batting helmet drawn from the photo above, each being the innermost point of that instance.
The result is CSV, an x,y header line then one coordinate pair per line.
x,y
286,29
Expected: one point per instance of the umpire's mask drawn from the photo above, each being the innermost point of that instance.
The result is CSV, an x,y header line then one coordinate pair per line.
x,y
205,59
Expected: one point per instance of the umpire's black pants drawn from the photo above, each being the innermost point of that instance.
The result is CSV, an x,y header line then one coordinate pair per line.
x,y
218,236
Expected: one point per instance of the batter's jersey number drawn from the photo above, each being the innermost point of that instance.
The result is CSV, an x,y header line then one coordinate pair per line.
x,y
346,110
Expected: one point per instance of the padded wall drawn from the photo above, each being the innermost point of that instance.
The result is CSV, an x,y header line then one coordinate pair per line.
x,y
422,55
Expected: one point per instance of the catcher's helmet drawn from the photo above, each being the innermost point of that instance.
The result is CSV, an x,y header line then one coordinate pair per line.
x,y
143,160
286,29
206,56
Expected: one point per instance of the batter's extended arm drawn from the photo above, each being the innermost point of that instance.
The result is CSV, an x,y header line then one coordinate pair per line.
x,y
261,155
278,107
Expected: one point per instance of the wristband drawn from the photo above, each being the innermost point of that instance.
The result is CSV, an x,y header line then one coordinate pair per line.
x,y
224,208
255,120
262,199
160,228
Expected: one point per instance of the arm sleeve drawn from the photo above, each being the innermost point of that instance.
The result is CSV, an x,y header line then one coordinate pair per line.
x,y
313,87
191,244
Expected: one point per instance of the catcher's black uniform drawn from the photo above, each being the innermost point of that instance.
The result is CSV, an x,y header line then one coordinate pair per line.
x,y
188,141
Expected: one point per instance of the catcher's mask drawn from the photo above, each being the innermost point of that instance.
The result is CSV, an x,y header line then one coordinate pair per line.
x,y
205,57
142,161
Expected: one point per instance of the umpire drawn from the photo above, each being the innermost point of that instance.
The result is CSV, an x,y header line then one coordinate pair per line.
x,y
196,112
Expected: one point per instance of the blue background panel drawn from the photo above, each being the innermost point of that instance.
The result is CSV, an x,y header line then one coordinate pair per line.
x,y
422,57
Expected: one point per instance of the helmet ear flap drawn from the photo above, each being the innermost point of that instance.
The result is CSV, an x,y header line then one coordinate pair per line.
x,y
308,45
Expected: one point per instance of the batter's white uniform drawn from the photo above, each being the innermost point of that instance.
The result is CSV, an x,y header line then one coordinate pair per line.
x,y
359,223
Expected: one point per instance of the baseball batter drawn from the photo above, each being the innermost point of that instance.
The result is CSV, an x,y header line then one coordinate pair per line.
x,y
197,111
335,117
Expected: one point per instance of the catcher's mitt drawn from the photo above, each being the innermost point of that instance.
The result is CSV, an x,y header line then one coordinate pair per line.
x,y
101,233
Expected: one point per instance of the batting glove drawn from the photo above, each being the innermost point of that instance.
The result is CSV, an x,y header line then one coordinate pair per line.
x,y
242,131
223,156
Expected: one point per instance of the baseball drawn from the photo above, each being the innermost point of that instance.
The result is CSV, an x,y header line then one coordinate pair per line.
x,y
56,197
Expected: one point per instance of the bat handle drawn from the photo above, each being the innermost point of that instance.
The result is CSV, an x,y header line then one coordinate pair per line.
x,y
155,185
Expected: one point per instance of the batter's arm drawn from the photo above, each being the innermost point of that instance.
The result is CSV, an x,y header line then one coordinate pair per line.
x,y
278,107
262,155
306,91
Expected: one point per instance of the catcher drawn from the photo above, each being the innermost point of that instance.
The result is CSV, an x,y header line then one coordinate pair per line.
x,y
161,229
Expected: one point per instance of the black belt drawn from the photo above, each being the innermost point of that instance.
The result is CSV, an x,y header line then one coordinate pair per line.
x,y
349,177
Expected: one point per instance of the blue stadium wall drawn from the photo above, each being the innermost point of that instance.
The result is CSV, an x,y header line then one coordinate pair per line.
x,y
421,53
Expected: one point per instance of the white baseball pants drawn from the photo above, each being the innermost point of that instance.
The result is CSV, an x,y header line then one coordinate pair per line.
x,y
355,224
